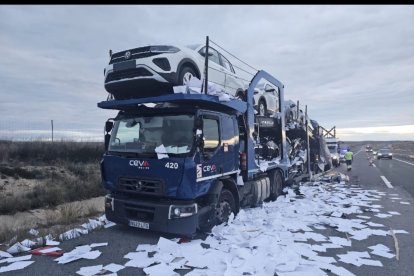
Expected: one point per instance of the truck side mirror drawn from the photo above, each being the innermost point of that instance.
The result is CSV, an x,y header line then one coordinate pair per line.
x,y
108,126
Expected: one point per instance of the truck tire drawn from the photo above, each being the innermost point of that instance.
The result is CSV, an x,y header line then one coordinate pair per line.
x,y
186,74
276,184
225,206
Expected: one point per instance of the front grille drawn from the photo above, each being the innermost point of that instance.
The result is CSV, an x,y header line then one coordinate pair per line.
x,y
136,53
128,73
141,186
139,212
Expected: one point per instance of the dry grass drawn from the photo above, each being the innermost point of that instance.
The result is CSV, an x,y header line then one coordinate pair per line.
x,y
54,221
59,172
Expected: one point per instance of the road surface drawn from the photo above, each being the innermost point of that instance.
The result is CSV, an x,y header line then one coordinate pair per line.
x,y
123,240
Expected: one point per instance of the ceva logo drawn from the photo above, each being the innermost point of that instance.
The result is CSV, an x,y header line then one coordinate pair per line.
x,y
142,165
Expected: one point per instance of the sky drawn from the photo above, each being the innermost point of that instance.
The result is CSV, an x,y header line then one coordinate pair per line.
x,y
353,66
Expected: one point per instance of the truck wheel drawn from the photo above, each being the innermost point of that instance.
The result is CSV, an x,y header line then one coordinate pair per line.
x,y
186,74
276,184
226,205
262,108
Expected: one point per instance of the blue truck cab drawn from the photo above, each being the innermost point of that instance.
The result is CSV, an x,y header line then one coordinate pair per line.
x,y
180,163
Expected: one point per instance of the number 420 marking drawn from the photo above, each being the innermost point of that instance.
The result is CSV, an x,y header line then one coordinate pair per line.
x,y
171,165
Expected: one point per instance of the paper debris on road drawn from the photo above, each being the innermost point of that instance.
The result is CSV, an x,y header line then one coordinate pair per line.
x,y
113,267
382,215
52,242
109,224
358,258
89,270
98,244
160,269
17,248
5,255
381,250
80,252
16,259
15,266
373,224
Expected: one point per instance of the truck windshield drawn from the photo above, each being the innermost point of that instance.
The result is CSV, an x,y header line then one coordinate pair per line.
x,y
332,149
143,134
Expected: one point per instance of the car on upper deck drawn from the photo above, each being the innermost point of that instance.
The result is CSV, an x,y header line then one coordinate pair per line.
x,y
154,70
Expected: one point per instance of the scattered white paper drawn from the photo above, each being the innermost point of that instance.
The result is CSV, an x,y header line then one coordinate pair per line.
x,y
16,259
98,244
161,152
5,255
109,224
381,215
51,242
89,270
17,248
394,213
15,266
113,267
33,232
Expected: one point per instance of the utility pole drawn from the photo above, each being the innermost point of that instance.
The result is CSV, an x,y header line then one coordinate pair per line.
x,y
52,129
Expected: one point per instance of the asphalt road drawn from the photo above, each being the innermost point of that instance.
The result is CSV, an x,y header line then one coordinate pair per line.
x,y
399,172
122,239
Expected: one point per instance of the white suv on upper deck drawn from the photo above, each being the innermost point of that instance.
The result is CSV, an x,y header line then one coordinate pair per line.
x,y
153,70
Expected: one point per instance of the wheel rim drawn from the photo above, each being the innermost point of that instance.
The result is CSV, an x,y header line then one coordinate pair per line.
x,y
261,109
223,211
187,77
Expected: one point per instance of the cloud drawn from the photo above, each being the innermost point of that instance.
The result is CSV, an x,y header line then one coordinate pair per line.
x,y
352,65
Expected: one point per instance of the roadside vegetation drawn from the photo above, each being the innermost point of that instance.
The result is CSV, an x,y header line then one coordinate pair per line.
x,y
44,174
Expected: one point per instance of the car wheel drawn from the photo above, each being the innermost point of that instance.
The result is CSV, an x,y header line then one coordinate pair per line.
x,y
241,95
186,74
226,205
262,108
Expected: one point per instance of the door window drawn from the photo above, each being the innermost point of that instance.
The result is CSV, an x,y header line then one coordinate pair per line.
x,y
226,64
215,55
211,134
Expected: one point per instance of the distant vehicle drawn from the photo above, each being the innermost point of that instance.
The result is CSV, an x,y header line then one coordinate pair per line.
x,y
342,155
368,148
384,153
153,70
374,152
266,99
333,149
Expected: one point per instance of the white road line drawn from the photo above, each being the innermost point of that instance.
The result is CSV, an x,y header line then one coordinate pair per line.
x,y
403,161
386,182
358,152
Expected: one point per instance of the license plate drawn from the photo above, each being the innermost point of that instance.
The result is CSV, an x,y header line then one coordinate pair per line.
x,y
130,64
139,224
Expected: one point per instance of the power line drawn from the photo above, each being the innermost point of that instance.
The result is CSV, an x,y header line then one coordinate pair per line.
x,y
233,55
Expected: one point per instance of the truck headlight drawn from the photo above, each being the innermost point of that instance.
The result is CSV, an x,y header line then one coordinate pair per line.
x,y
379,153
390,154
182,211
